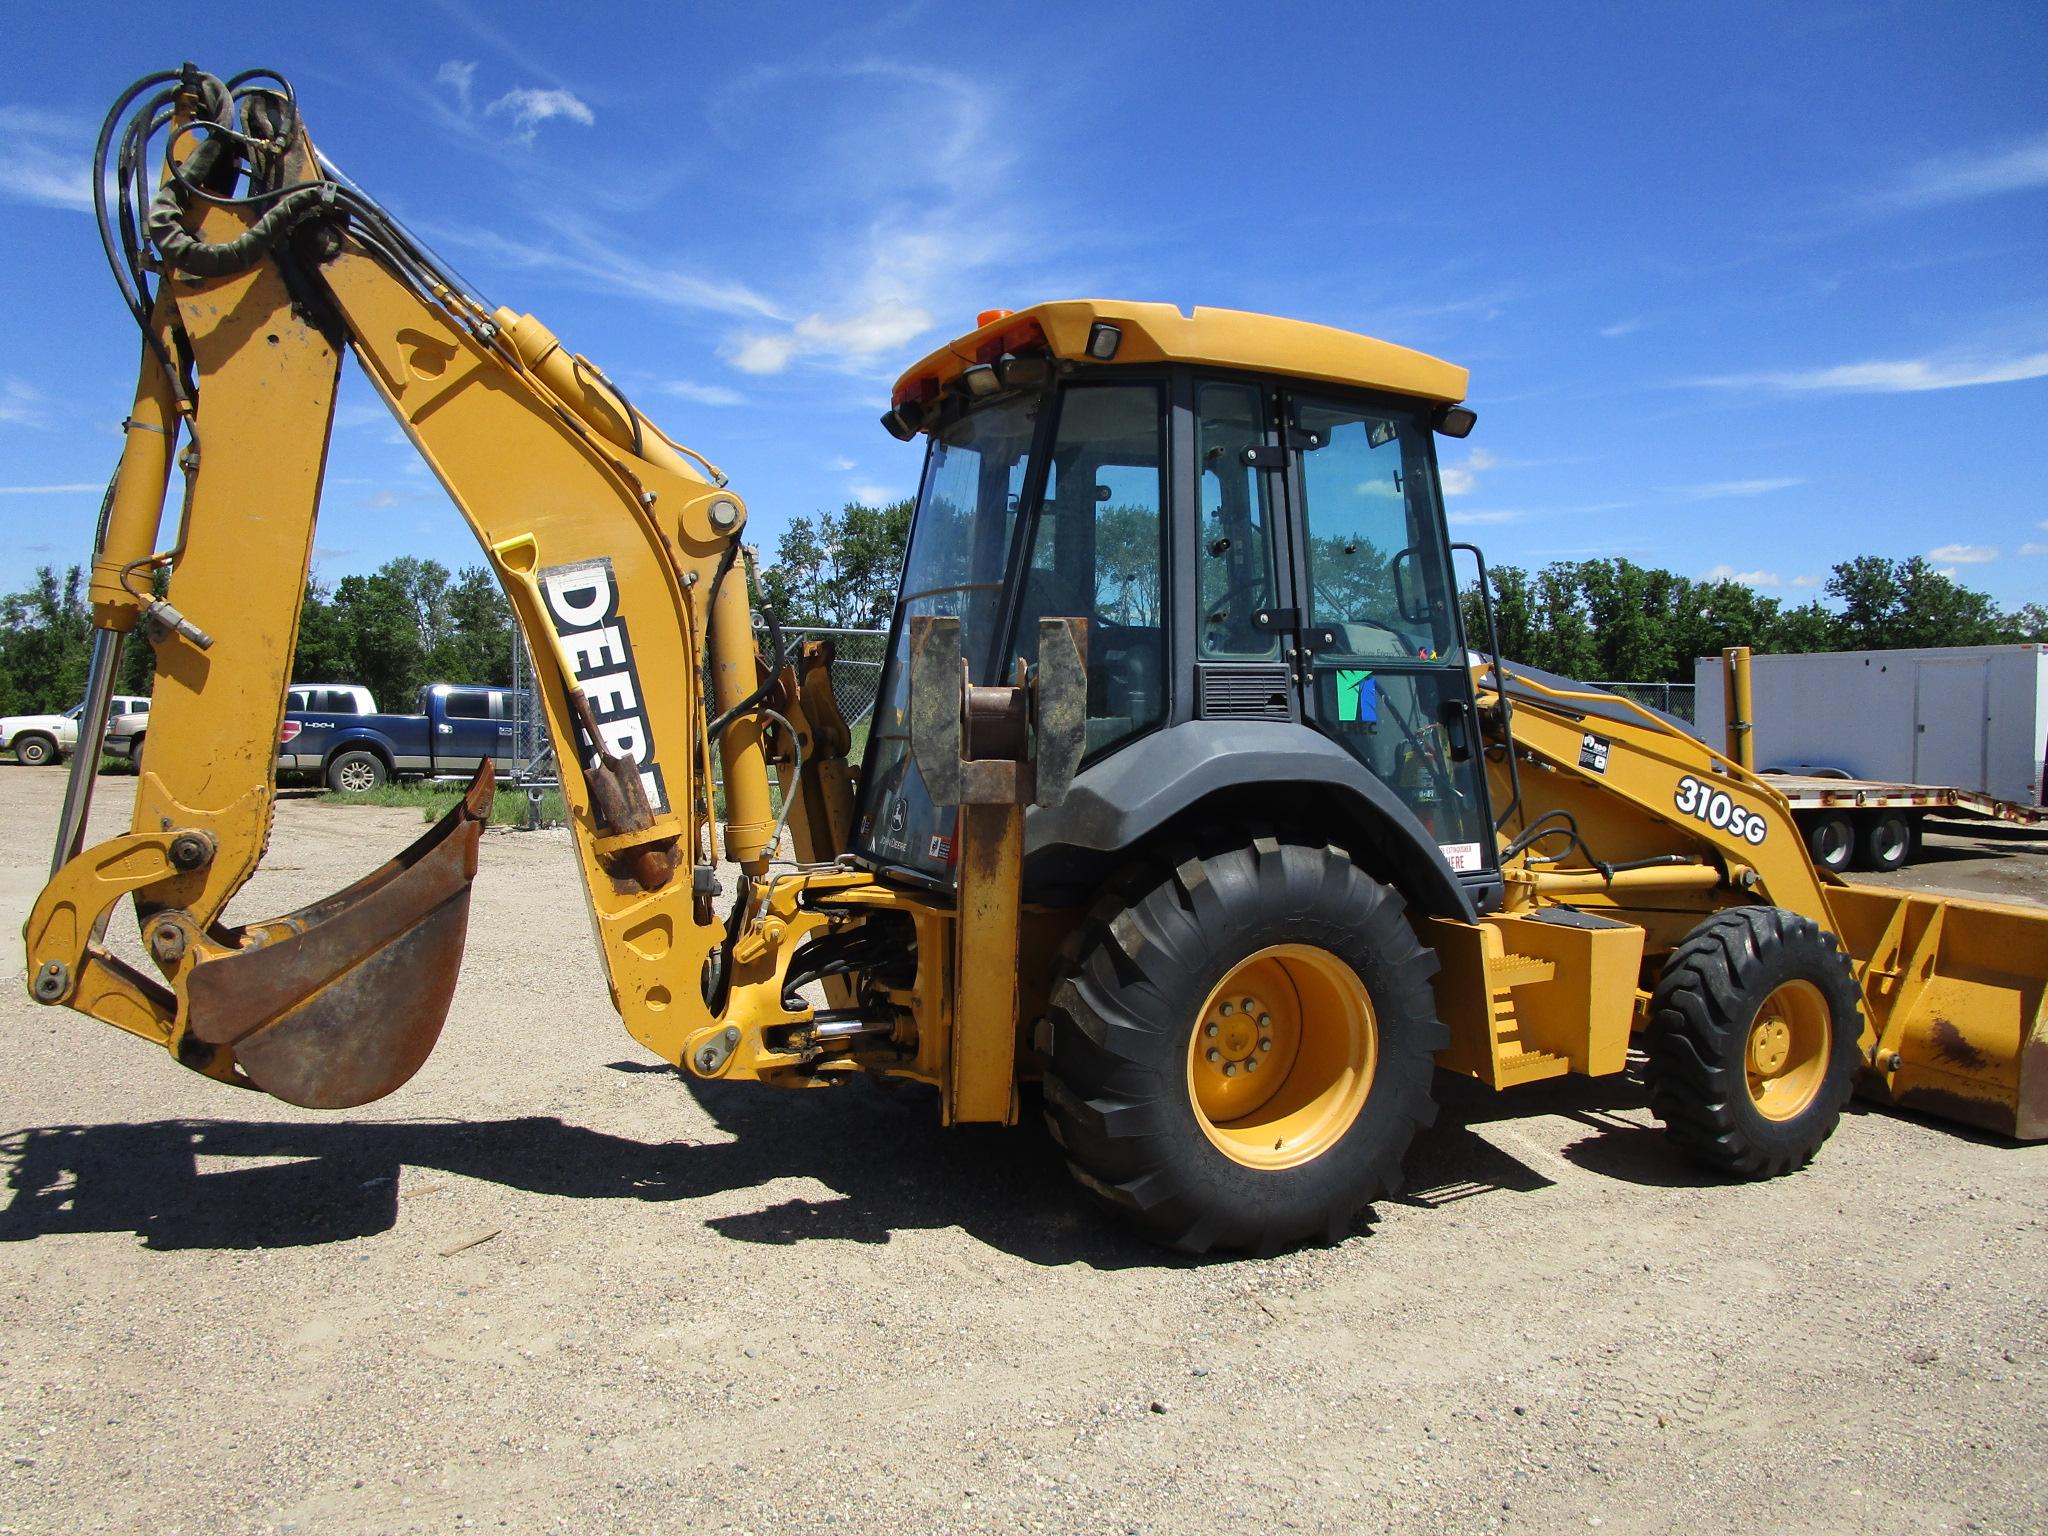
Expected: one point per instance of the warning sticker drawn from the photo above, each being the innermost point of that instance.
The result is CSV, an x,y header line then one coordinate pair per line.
x,y
1593,752
1463,857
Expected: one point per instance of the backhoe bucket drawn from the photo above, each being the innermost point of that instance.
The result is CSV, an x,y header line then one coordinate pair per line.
x,y
1954,993
347,1004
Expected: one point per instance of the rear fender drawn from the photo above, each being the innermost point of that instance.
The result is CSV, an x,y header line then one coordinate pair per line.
x,y
1239,770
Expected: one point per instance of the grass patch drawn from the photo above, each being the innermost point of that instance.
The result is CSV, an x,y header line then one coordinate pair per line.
x,y
434,800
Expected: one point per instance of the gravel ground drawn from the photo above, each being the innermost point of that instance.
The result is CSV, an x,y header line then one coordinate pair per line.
x,y
682,1307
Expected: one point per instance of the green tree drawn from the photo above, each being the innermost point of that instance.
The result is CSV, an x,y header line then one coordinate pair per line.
x,y
838,568
44,644
1901,604
476,645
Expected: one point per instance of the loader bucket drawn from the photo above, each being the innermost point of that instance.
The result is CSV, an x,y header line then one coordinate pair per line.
x,y
347,1003
1953,991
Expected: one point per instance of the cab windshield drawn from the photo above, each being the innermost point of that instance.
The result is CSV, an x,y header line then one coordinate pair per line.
x,y
960,538
1033,507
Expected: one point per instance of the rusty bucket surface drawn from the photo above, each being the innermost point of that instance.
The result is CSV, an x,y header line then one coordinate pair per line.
x,y
347,1005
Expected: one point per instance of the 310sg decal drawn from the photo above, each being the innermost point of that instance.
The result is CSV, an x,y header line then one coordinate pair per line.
x,y
1713,807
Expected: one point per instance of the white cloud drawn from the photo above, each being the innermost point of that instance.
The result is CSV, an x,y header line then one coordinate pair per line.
x,y
857,339
1964,554
1458,481
1803,581
872,495
596,259
842,463
1721,489
1622,328
48,490
1747,578
2034,549
1957,178
21,405
1909,375
702,394
459,76
1481,458
1477,519
43,159
529,108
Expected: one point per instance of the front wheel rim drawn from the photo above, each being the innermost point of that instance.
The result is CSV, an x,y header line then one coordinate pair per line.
x,y
1785,1056
1282,1057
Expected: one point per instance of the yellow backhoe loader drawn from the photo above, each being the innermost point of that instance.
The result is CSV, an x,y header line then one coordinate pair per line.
x,y
1184,798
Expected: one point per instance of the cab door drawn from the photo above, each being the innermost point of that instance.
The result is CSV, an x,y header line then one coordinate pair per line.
x,y
1380,662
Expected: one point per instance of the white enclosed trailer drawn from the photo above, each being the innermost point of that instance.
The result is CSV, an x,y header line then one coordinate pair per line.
x,y
1869,740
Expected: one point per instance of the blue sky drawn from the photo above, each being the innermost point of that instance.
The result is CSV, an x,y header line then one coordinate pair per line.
x,y
1744,289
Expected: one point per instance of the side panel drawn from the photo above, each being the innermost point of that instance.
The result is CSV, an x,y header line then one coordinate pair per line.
x,y
1950,702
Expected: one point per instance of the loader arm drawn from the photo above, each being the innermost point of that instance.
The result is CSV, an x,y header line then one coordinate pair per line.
x,y
618,550
1652,826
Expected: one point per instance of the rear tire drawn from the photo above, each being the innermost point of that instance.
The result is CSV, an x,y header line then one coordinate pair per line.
x,y
1885,841
1754,1040
1209,1151
356,772
1831,839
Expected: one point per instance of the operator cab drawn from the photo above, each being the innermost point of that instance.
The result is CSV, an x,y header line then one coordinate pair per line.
x,y
1246,511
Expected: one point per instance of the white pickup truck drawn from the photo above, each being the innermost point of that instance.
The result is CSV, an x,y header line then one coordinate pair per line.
x,y
38,740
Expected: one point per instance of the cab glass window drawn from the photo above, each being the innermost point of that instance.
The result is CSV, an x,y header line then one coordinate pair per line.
x,y
468,704
1235,564
1374,557
1098,553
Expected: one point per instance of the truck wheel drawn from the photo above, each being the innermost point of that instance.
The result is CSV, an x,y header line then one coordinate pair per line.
x,y
1754,1040
1885,841
1241,1044
356,772
1831,839
35,750
135,751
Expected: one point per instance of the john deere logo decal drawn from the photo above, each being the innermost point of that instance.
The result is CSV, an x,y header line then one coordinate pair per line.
x,y
1358,696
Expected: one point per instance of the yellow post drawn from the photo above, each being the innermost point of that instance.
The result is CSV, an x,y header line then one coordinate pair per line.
x,y
749,819
1735,692
983,1083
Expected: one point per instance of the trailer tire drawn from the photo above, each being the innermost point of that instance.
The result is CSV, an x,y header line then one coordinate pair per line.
x,y
1885,841
1343,1023
356,771
1754,1041
33,749
1831,839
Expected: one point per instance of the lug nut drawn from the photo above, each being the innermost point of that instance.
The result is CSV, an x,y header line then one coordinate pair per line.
x,y
1230,1069
1210,1031
1266,1044
1252,1065
1265,1021
1214,1054
1228,1009
1248,1005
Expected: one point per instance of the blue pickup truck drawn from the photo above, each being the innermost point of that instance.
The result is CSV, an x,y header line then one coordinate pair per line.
x,y
454,729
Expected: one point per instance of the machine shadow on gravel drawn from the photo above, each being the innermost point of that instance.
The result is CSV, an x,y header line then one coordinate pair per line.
x,y
238,1185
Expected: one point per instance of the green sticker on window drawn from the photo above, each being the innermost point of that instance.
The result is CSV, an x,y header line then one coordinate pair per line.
x,y
1357,696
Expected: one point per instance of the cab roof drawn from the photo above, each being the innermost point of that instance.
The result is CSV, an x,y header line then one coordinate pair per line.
x,y
1220,338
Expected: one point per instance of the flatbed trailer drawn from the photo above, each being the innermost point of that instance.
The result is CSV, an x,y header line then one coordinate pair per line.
x,y
1870,824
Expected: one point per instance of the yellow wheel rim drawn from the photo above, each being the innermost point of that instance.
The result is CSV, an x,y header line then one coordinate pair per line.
x,y
1786,1055
1282,1057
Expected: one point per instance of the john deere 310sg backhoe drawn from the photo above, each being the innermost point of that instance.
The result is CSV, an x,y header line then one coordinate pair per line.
x,y
1184,798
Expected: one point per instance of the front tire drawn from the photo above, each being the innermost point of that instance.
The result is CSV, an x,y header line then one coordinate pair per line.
x,y
1241,1043
356,772
35,750
1754,1040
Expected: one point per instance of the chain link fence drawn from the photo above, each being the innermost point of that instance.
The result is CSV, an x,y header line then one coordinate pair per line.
x,y
1673,698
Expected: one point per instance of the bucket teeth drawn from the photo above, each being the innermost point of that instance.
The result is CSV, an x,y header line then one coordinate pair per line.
x,y
347,1004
